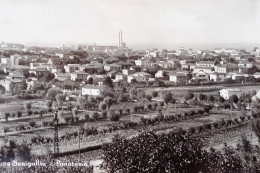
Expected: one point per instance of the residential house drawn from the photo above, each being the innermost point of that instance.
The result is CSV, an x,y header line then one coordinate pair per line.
x,y
39,71
39,65
174,61
97,79
143,63
91,68
185,61
109,67
245,64
62,76
159,74
111,73
15,59
237,58
228,92
118,77
256,75
124,65
79,75
15,76
31,82
205,63
92,90
224,50
243,69
185,66
201,76
71,68
128,71
178,77
139,77
204,69
217,77
7,82
256,52
5,60
192,66
165,65
227,68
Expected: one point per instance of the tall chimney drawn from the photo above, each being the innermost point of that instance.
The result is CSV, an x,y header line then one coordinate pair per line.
x,y
119,40
121,36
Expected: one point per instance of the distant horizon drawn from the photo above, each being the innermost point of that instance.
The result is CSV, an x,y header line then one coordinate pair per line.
x,y
160,46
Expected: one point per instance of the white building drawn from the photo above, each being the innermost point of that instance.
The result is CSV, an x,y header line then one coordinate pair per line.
x,y
92,90
143,63
245,64
5,60
227,93
71,68
159,74
205,64
139,77
256,75
179,77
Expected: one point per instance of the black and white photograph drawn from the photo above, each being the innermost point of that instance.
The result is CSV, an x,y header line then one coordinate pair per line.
x,y
129,86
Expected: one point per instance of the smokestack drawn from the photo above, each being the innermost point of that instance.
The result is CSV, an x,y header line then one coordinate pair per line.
x,y
121,36
119,40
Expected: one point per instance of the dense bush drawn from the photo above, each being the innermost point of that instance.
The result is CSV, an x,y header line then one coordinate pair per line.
x,y
172,152
113,115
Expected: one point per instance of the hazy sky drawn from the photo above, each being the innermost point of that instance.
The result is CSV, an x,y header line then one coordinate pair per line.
x,y
163,23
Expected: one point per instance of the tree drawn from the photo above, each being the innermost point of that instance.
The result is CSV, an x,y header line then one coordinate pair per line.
x,y
189,96
54,105
27,106
63,70
113,116
109,101
102,106
26,74
81,100
90,80
2,89
234,98
154,94
108,81
51,94
167,97
60,98
49,103
46,77
7,115
32,124
171,152
23,153
23,85
202,97
211,98
148,97
6,130
221,99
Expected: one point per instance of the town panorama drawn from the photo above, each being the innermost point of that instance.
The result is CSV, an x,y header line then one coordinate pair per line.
x,y
123,110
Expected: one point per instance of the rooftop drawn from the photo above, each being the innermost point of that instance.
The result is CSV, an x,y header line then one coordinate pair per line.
x,y
205,62
89,86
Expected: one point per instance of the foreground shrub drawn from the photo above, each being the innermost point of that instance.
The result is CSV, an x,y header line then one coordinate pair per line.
x,y
172,152
113,115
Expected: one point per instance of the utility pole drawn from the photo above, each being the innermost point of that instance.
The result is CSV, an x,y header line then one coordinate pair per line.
x,y
56,137
79,145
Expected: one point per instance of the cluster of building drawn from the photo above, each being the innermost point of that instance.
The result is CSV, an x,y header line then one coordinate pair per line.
x,y
178,67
